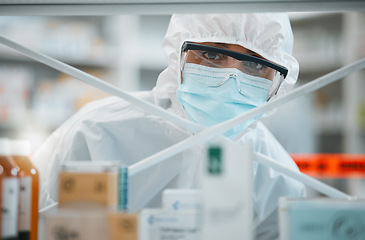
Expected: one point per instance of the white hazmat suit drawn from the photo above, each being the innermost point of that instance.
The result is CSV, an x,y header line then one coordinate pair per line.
x,y
113,129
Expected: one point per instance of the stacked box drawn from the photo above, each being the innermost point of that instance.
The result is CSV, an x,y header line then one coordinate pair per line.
x,y
90,197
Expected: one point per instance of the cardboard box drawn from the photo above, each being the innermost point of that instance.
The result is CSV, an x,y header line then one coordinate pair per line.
x,y
123,226
80,188
159,224
76,225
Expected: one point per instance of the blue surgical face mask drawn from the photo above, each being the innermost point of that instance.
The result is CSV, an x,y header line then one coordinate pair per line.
x,y
214,95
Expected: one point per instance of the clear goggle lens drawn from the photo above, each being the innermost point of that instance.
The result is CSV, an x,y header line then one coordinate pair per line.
x,y
215,57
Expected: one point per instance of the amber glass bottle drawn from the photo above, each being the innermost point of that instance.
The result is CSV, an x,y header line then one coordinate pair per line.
x,y
1,189
9,193
29,190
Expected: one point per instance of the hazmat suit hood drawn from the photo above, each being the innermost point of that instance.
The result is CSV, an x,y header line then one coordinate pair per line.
x,y
268,34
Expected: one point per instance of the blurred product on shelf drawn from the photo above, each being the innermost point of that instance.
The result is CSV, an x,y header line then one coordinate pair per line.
x,y
159,224
57,100
123,226
321,219
89,192
71,39
226,179
88,224
178,218
35,99
15,86
9,198
86,184
88,197
182,200
314,42
29,190
331,165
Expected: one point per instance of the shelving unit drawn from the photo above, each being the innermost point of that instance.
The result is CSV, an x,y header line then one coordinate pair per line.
x,y
107,7
133,62
318,48
100,46
141,52
28,104
323,42
337,115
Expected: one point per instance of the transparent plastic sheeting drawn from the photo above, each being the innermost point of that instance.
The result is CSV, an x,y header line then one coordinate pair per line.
x,y
205,134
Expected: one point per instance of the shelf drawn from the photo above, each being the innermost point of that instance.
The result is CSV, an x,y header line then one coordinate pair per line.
x,y
70,61
101,61
309,65
150,56
99,7
296,17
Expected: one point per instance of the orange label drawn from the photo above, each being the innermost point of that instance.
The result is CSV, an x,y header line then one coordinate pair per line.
x,y
327,165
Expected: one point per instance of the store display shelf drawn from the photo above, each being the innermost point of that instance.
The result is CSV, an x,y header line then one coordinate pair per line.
x,y
313,66
153,65
311,16
101,62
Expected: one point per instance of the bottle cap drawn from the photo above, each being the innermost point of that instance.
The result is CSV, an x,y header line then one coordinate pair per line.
x,y
4,147
20,148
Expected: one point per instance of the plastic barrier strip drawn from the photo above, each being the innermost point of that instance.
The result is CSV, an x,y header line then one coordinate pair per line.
x,y
217,130
203,136
331,165
307,180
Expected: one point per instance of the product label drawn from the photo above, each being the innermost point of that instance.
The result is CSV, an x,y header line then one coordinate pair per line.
x,y
163,225
10,200
123,188
331,222
178,233
25,203
215,161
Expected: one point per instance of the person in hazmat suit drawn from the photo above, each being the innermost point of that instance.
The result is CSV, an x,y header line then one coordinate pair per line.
x,y
219,66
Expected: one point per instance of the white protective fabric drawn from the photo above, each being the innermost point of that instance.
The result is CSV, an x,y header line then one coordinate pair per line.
x,y
112,129
268,34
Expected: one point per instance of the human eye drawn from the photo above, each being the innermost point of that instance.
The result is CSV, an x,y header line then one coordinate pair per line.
x,y
211,55
253,65
253,68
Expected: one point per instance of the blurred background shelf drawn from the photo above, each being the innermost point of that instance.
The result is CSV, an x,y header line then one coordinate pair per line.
x,y
334,116
126,51
13,58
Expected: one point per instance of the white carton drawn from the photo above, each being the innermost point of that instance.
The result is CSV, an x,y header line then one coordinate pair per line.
x,y
321,219
227,192
159,224
182,200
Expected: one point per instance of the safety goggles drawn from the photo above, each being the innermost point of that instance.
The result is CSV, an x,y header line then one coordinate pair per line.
x,y
216,57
